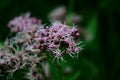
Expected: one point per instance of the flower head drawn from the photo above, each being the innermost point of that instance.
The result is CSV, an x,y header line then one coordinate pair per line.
x,y
32,43
22,21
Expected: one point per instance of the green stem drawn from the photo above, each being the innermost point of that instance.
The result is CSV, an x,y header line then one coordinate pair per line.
x,y
71,6
42,72
59,67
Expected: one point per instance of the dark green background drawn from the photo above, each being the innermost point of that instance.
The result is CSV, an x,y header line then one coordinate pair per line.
x,y
100,59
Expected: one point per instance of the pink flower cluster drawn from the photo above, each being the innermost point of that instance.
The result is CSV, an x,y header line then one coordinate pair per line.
x,y
56,37
33,41
12,60
18,23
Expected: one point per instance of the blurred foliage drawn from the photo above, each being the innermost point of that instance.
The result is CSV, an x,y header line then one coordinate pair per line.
x,y
100,58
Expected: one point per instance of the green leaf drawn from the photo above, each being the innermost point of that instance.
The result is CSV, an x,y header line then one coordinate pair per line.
x,y
92,27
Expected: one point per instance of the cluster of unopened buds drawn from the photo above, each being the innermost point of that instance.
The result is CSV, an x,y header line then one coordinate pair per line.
x,y
33,42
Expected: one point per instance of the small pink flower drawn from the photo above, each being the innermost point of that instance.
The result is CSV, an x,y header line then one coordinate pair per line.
x,y
59,55
76,50
77,35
